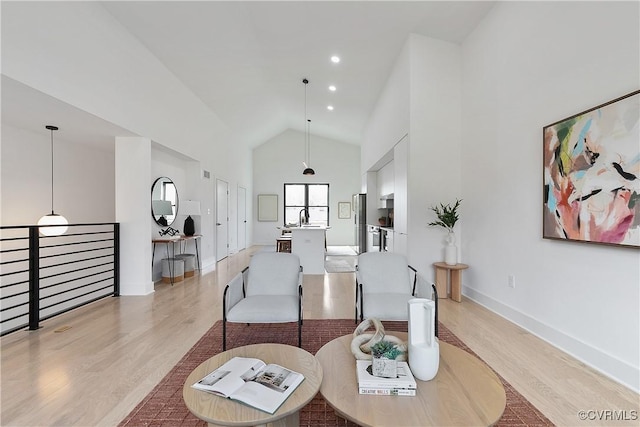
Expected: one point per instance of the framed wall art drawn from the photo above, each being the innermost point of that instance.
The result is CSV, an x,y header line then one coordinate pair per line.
x,y
344,210
267,207
592,175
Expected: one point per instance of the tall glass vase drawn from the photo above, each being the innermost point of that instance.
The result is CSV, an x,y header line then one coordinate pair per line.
x,y
450,250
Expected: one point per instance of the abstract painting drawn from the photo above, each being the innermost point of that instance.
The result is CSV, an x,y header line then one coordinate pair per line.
x,y
592,175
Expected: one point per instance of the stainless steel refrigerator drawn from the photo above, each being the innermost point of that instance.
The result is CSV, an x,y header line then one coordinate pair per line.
x,y
360,222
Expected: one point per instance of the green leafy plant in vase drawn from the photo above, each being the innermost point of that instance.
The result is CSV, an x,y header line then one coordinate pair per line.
x,y
447,218
384,364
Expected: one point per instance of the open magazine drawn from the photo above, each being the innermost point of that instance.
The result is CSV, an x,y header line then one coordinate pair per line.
x,y
253,382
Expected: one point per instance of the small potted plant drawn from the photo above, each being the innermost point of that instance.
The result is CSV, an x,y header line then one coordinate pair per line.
x,y
447,217
384,364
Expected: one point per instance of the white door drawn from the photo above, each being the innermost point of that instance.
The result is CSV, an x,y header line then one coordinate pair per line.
x,y
242,218
222,219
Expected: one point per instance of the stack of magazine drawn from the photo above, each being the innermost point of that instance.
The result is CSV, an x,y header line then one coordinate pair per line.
x,y
252,382
403,385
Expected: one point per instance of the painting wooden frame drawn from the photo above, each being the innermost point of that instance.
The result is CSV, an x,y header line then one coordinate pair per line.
x,y
591,177
268,207
344,210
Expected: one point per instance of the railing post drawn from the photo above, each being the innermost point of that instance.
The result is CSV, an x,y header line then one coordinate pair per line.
x,y
116,259
34,278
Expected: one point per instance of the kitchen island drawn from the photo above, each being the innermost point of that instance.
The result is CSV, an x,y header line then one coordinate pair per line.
x,y
308,242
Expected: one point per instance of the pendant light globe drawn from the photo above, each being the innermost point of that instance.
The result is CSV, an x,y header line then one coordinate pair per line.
x,y
52,218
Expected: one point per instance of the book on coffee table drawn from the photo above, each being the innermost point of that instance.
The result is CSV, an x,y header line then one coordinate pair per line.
x,y
253,382
404,384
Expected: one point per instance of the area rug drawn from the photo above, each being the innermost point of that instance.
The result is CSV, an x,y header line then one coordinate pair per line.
x,y
164,406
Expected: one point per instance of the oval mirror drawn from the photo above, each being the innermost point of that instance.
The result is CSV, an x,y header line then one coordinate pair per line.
x,y
164,201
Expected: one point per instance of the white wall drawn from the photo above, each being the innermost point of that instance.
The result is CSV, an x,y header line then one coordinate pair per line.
x,y
434,145
530,64
82,172
389,121
476,117
78,53
279,161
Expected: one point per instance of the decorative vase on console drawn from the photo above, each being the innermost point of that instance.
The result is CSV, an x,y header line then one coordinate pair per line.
x,y
423,345
451,250
447,218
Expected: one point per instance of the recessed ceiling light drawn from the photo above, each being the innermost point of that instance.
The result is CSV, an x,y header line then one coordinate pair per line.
x,y
330,107
335,59
332,88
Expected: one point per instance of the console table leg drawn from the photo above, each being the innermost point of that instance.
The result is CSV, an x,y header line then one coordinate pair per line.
x,y
441,281
456,285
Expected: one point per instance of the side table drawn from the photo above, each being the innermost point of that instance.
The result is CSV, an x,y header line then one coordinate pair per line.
x,y
218,411
446,273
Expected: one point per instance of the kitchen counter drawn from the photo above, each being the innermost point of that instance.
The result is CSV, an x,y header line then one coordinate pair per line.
x,y
309,243
306,227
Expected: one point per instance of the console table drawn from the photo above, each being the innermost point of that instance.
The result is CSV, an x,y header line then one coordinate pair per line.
x,y
171,241
444,272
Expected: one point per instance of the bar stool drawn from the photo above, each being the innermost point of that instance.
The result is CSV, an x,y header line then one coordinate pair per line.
x,y
283,244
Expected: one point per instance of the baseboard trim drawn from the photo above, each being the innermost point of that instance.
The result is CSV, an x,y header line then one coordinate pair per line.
x,y
608,365
208,265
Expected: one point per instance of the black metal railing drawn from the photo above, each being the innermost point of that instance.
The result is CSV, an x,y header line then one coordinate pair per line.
x,y
44,276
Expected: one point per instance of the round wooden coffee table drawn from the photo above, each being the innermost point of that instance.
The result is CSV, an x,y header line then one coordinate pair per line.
x,y
218,411
465,391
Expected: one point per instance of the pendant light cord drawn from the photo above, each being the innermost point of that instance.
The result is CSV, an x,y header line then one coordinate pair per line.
x,y
51,171
51,128
309,142
306,133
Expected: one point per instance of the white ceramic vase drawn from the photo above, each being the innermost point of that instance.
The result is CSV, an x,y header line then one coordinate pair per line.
x,y
423,346
451,250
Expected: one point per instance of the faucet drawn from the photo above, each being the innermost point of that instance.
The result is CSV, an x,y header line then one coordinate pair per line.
x,y
303,213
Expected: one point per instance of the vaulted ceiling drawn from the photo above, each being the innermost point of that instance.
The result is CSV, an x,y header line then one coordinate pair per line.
x,y
246,60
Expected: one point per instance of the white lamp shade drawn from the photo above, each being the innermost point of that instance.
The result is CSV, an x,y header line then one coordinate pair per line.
x,y
161,207
190,207
53,219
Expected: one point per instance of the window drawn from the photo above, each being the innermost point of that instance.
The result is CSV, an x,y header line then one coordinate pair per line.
x,y
313,197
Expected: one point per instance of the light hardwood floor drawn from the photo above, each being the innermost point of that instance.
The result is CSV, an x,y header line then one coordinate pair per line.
x,y
118,349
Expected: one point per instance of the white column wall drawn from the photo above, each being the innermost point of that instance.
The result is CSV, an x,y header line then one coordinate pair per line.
x,y
133,206
389,121
434,146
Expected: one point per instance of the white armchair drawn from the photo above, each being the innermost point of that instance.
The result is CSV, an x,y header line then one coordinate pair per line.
x,y
384,286
268,291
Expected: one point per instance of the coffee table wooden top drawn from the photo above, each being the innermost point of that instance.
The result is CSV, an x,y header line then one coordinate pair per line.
x,y
465,391
220,411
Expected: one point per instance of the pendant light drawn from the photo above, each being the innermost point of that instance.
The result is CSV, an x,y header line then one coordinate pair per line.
x,y
307,138
52,218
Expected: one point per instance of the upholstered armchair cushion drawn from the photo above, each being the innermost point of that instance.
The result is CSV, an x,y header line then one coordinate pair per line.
x,y
384,272
384,286
265,309
268,291
273,273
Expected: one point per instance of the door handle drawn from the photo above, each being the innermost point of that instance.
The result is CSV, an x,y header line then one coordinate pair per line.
x,y
217,223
